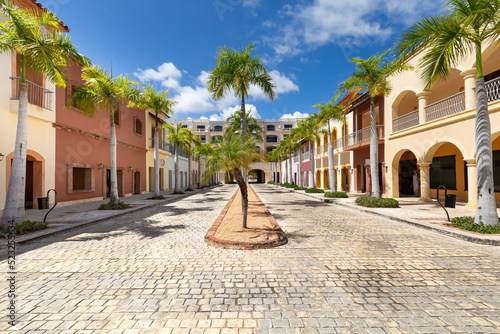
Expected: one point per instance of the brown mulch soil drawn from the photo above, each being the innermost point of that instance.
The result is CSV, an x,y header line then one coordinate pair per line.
x,y
259,227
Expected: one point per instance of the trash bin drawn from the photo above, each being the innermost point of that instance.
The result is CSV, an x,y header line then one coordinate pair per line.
x,y
450,201
43,203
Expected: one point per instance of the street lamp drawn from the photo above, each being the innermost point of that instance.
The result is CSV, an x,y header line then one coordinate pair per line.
x,y
1,157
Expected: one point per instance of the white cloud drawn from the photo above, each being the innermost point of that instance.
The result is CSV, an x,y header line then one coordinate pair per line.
x,y
222,116
164,72
308,26
281,81
296,114
251,3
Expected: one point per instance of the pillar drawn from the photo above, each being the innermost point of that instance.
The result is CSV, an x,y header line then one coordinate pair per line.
x,y
469,85
471,183
425,182
422,103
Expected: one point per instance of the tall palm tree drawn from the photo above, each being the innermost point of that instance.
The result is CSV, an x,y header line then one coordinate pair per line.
x,y
288,145
298,134
327,113
371,76
178,137
445,40
201,151
234,154
235,72
102,92
46,51
311,135
158,103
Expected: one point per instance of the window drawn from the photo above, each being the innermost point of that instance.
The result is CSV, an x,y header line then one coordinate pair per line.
x,y
80,178
218,128
496,170
116,117
200,128
271,139
443,172
184,126
70,89
138,126
288,126
269,149
216,139
270,128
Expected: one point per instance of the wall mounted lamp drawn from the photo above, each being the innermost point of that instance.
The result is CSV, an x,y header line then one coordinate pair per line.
x,y
384,165
129,168
1,157
100,166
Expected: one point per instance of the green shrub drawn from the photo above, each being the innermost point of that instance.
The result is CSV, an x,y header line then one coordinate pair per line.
x,y
299,188
467,223
290,186
337,194
285,184
25,227
156,197
109,206
271,182
314,191
373,202
181,193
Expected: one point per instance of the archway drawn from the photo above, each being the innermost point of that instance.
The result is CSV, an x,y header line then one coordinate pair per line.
x,y
405,111
344,176
257,176
325,178
407,172
137,182
318,178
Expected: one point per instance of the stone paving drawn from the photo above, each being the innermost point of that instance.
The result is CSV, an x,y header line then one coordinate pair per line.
x,y
342,271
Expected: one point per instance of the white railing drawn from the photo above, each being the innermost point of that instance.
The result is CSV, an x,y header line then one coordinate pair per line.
x,y
37,95
406,121
493,90
449,106
363,135
338,143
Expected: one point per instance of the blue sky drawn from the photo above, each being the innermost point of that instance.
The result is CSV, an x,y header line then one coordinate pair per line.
x,y
172,44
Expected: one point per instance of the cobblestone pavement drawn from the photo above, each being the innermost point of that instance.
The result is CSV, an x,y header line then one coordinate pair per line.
x,y
342,271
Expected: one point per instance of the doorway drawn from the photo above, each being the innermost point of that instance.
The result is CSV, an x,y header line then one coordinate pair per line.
x,y
137,182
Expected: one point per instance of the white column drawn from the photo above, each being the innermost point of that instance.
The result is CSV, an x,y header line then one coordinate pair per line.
x,y
469,85
422,103
471,184
425,182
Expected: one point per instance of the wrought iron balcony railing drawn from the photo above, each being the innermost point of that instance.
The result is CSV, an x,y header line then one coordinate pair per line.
x,y
37,95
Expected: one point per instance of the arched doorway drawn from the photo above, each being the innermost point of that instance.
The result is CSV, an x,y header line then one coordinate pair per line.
x,y
137,182
325,178
408,175
257,176
318,178
344,175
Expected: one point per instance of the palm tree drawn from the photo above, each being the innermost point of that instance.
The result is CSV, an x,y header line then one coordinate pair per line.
x,y
235,72
190,143
311,135
102,92
252,125
201,150
328,112
371,76
234,154
445,40
178,137
159,104
298,134
46,51
288,145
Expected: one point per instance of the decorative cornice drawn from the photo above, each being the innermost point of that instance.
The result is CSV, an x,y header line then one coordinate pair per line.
x,y
95,136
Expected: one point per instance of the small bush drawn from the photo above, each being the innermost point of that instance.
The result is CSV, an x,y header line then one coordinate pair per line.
x,y
271,182
467,223
119,206
290,186
181,193
156,197
299,188
373,202
337,194
314,191
25,227
285,184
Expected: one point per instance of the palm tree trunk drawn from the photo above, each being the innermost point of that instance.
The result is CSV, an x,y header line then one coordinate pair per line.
x,y
244,194
300,167
243,118
176,169
332,173
14,203
281,173
286,170
156,191
486,204
290,167
199,172
190,185
113,197
374,151
311,165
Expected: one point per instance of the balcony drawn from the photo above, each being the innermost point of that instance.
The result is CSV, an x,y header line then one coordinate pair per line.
x,y
37,95
406,121
162,145
362,136
493,90
449,106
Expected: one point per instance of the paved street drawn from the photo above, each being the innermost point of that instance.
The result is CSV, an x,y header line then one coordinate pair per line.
x,y
342,271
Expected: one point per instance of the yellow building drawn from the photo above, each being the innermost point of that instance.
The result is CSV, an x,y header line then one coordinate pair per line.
x,y
432,131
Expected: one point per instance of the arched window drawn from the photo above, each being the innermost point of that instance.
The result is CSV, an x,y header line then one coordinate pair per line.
x,y
269,149
216,139
218,128
271,128
271,139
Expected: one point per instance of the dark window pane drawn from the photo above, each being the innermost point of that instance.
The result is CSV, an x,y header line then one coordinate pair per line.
x,y
443,172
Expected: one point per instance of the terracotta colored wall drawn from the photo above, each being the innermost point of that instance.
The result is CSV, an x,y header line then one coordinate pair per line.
x,y
360,157
74,147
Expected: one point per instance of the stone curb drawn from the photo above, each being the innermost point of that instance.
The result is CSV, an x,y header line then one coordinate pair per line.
x,y
449,231
24,240
213,241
